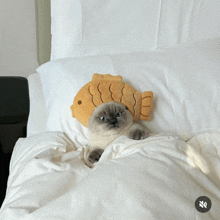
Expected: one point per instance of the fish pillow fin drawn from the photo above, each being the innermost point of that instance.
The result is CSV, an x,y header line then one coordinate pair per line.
x,y
106,77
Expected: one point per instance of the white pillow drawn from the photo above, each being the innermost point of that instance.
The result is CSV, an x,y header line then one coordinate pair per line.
x,y
95,27
185,81
186,21
98,27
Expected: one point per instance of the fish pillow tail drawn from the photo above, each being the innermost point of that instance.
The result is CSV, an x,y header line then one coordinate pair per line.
x,y
147,94
146,105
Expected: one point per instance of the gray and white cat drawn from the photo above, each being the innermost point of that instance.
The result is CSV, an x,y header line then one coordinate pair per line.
x,y
108,122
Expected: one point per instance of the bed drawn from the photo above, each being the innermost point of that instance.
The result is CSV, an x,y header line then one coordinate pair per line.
x,y
171,48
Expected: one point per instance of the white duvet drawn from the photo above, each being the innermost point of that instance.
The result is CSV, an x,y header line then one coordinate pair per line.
x,y
157,178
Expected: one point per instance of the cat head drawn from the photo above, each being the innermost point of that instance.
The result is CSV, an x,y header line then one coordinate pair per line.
x,y
109,118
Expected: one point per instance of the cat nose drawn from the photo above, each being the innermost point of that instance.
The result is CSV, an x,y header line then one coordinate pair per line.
x,y
113,121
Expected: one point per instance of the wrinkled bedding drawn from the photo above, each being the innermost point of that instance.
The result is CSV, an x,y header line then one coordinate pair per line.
x,y
157,178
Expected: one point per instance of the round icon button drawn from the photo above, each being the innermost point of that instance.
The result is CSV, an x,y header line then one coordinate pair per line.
x,y
203,204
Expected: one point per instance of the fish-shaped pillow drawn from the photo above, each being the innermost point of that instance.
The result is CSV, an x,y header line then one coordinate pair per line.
x,y
108,88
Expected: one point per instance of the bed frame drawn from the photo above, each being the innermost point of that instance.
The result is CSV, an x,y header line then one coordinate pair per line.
x,y
43,30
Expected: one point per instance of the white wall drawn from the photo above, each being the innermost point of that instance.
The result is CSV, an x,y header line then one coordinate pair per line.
x,y
18,50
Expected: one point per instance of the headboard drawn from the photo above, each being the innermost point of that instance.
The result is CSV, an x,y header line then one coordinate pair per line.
x,y
43,30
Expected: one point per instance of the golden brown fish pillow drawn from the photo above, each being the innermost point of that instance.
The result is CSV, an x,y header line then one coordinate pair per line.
x,y
108,88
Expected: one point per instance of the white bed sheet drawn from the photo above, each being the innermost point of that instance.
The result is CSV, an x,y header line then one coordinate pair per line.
x,y
157,178
38,115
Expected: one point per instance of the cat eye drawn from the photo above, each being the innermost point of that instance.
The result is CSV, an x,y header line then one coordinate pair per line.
x,y
102,119
119,115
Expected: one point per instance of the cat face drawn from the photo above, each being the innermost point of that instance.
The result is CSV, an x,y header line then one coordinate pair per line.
x,y
109,118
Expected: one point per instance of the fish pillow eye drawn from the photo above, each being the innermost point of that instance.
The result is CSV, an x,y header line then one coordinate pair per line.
x,y
108,88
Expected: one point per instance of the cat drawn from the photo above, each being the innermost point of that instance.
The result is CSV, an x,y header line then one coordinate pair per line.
x,y
108,122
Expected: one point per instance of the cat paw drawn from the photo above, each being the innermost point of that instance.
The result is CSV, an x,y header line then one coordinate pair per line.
x,y
95,155
137,134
